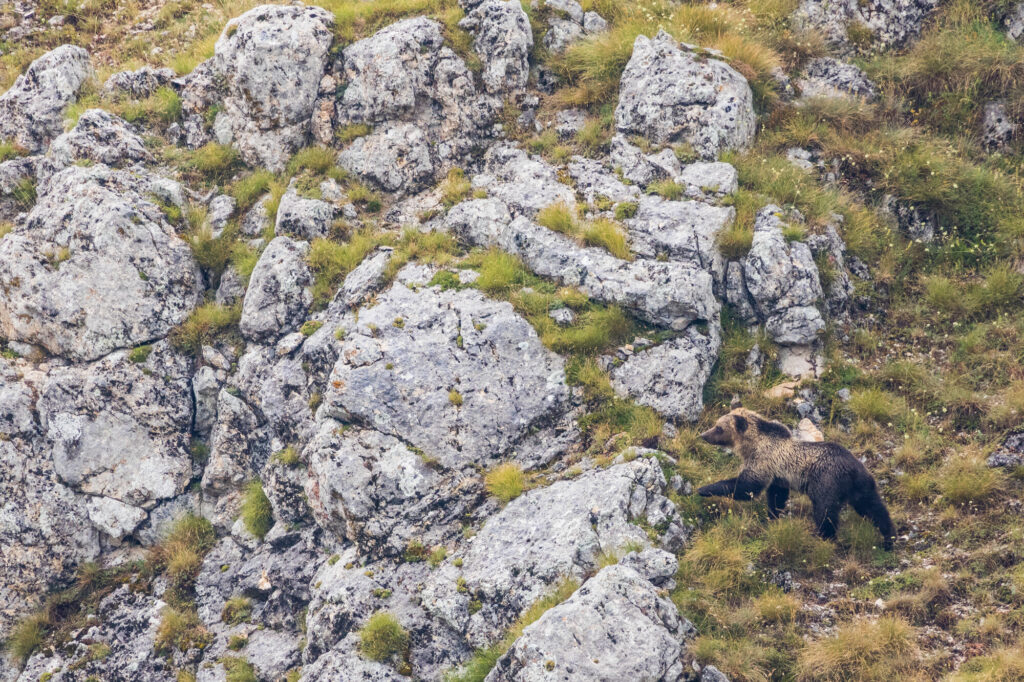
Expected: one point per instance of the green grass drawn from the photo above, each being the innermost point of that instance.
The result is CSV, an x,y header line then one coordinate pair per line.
x,y
601,232
206,323
455,188
330,262
238,670
861,650
383,638
237,609
318,160
212,162
180,630
247,189
256,512
27,636
140,354
505,481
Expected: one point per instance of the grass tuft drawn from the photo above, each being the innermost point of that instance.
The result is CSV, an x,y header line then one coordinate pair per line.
x,y
505,481
257,514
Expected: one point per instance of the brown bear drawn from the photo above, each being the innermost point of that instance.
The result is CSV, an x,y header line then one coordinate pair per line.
x,y
826,472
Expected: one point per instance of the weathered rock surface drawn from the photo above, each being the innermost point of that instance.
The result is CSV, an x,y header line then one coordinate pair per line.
x,y
503,41
405,81
680,231
119,428
140,83
270,59
94,267
1014,22
278,295
672,294
670,377
997,127
545,535
615,627
450,372
32,110
829,77
783,283
525,184
668,95
303,218
892,23
99,137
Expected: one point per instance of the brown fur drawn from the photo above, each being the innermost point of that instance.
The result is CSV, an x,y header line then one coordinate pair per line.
x,y
827,472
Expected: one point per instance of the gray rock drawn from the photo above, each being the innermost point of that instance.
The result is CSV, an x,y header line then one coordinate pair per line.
x,y
344,663
32,110
503,40
93,231
670,294
221,208
397,158
830,77
1010,454
405,358
783,283
372,489
716,178
615,627
680,230
138,84
524,183
403,73
594,181
13,173
655,565
44,527
562,316
304,218
594,23
916,221
256,220
561,35
119,428
100,137
668,95
279,388
362,282
271,60
543,536
236,451
1014,22
206,384
997,127
832,249
893,23
670,377
568,122
231,288
278,295
112,517
712,674
570,9
633,163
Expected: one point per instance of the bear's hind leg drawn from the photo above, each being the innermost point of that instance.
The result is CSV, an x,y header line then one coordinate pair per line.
x,y
826,518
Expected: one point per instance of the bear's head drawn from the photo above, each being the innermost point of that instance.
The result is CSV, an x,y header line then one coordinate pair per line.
x,y
740,425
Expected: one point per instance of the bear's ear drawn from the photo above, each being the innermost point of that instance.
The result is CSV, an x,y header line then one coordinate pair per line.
x,y
741,423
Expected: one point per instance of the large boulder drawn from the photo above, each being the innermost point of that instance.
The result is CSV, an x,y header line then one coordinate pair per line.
x,y
404,80
270,60
679,230
461,377
615,627
119,428
669,94
140,83
99,137
302,217
892,23
783,283
666,293
94,267
503,39
670,377
44,527
278,295
548,534
32,110
525,184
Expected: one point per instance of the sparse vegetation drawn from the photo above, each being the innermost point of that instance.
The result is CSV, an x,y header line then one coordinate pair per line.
x,y
257,514
383,638
505,481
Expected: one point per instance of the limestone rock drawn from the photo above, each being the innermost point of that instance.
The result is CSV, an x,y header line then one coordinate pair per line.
x,y
271,59
450,372
668,95
93,230
278,295
99,137
503,40
830,77
397,158
997,127
615,627
140,83
892,23
670,377
32,110
303,218
671,294
547,534
119,428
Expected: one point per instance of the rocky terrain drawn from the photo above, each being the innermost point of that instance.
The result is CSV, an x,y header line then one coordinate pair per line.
x,y
372,340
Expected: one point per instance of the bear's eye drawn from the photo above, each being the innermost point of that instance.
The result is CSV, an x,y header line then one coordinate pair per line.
x,y
718,429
